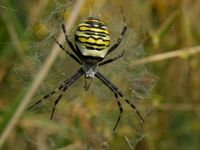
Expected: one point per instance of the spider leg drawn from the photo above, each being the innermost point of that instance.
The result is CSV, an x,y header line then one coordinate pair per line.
x,y
115,89
54,106
68,83
112,59
109,85
69,53
121,112
66,36
61,86
121,35
69,41
48,95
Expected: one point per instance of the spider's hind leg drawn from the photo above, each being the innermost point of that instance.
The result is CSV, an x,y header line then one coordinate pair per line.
x,y
121,34
112,59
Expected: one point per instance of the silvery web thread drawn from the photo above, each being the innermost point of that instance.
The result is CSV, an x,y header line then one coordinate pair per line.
x,y
132,79
36,54
44,47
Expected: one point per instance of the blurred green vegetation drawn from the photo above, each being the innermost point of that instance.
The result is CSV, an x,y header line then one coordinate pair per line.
x,y
84,120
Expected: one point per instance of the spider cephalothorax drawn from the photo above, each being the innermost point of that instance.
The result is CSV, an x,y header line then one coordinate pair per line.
x,y
92,42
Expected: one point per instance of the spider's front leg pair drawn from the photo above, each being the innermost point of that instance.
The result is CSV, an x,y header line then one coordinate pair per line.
x,y
62,88
117,93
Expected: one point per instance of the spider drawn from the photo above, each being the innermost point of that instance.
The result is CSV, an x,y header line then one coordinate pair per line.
x,y
92,42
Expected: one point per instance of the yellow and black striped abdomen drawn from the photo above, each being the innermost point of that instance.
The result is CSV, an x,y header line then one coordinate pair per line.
x,y
92,38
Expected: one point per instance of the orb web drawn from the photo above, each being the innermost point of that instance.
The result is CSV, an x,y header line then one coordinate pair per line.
x,y
83,115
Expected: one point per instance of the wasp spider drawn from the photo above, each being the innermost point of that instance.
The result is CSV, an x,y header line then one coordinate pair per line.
x,y
92,42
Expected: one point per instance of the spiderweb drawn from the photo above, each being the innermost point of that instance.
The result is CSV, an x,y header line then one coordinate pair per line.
x,y
83,120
